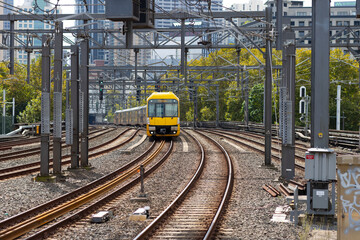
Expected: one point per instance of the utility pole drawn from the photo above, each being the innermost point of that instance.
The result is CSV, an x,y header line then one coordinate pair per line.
x,y
182,36
12,43
45,106
288,107
75,105
338,103
320,154
268,89
57,126
84,78
4,112
136,50
217,106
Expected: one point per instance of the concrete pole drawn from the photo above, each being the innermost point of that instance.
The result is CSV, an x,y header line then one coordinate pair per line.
x,y
13,111
338,101
28,67
45,106
320,51
4,112
12,44
182,46
75,105
57,126
288,143
238,63
217,106
268,90
279,24
246,110
84,78
136,50
145,84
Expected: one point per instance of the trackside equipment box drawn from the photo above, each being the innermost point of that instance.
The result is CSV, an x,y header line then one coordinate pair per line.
x,y
348,197
320,164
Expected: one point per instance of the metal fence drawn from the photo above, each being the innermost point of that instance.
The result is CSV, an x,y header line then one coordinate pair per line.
x,y
6,124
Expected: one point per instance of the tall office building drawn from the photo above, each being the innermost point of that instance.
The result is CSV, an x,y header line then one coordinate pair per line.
x,y
95,6
34,7
5,25
195,6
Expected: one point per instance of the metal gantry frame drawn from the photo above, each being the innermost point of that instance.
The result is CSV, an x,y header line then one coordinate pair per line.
x,y
165,39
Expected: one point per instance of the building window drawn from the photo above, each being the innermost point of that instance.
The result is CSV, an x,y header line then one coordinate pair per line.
x,y
30,25
292,23
244,7
257,8
285,4
356,23
301,23
330,23
285,13
310,23
338,23
342,13
346,23
20,25
301,33
25,25
301,14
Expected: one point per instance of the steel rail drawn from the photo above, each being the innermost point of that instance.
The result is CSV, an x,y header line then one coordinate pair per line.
x,y
300,167
58,211
45,232
163,215
228,190
36,150
300,158
33,167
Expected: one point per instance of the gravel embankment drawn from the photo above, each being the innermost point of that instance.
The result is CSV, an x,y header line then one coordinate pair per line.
x,y
21,193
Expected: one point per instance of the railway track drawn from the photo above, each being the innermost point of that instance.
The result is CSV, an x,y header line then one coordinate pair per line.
x,y
7,173
195,212
37,150
76,205
24,141
259,148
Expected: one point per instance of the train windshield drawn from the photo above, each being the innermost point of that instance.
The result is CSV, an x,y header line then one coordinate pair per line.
x,y
163,108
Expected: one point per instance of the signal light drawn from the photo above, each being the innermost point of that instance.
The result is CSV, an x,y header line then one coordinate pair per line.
x,y
101,89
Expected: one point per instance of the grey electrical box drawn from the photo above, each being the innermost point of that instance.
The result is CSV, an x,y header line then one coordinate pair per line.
x,y
124,10
320,164
320,199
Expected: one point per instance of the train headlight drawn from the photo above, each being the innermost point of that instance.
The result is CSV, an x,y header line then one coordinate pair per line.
x,y
148,121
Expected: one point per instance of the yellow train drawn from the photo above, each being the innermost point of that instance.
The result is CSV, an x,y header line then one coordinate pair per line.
x,y
161,115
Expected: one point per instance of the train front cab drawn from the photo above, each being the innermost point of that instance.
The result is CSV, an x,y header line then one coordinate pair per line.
x,y
163,115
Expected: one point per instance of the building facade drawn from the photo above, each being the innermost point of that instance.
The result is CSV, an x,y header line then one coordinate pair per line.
x,y
5,25
24,40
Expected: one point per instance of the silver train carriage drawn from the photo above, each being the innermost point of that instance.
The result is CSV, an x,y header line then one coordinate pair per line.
x,y
131,116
